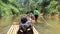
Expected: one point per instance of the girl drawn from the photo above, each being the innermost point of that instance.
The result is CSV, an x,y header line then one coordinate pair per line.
x,y
25,26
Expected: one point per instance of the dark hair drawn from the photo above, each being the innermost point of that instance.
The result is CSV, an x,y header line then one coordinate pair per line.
x,y
23,20
31,11
36,9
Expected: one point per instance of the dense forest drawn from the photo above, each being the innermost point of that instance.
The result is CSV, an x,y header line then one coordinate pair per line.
x,y
17,7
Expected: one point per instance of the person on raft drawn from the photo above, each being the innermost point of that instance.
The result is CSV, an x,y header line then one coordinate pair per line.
x,y
32,16
25,26
36,14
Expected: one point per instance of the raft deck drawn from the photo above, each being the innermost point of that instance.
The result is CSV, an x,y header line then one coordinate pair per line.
x,y
14,28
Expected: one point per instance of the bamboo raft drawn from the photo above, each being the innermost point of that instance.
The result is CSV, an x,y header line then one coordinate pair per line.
x,y
14,28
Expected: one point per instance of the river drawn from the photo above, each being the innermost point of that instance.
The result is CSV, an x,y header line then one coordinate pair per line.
x,y
47,25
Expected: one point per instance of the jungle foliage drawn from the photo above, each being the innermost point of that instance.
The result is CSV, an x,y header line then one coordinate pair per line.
x,y
17,7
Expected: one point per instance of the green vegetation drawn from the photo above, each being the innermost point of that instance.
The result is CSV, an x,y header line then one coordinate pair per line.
x,y
8,8
13,8
17,7
51,8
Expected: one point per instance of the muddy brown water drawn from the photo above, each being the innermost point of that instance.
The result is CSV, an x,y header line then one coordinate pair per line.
x,y
51,27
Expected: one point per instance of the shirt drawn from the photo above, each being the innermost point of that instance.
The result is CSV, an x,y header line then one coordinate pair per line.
x,y
36,12
27,23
